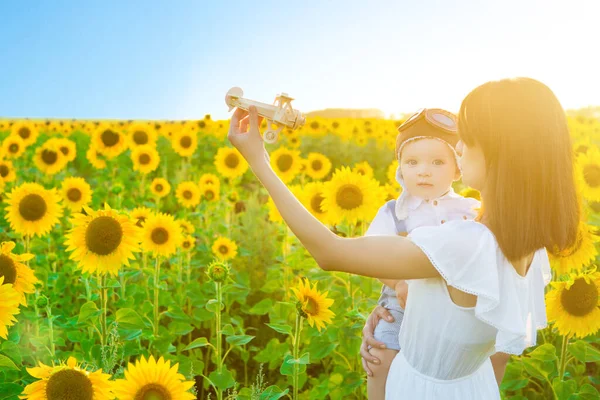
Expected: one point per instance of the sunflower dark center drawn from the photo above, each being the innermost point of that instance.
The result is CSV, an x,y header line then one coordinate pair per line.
x,y
49,156
13,148
8,269
311,307
232,161
317,165
209,194
335,125
187,194
32,207
140,137
24,132
314,125
140,221
349,197
158,187
186,244
582,149
581,298
69,384
74,194
315,203
284,162
103,235
4,170
591,174
360,171
110,138
202,124
160,236
144,159
223,249
185,142
64,150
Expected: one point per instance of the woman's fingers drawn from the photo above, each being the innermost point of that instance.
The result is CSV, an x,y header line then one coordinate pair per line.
x,y
382,313
366,355
234,124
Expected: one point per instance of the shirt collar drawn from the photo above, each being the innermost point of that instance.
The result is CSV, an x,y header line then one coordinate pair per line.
x,y
413,201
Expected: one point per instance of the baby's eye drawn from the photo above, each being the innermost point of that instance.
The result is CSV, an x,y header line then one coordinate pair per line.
x,y
411,162
439,162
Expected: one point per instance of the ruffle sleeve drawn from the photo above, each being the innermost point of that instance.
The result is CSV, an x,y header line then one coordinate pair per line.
x,y
468,257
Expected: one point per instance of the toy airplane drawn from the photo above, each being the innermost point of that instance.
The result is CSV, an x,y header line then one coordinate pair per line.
x,y
280,112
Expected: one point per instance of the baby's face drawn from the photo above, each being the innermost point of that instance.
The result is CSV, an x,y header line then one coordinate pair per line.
x,y
428,168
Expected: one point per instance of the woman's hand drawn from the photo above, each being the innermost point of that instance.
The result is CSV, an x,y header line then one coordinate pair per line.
x,y
378,313
401,289
245,136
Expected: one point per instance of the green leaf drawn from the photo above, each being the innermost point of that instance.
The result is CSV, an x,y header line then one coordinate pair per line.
x,y
223,380
545,352
12,351
304,359
211,305
200,342
262,307
88,311
239,340
586,392
180,328
273,392
7,363
228,330
128,318
281,328
564,389
8,391
584,352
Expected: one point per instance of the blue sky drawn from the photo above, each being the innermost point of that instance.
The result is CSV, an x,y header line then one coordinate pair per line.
x,y
176,60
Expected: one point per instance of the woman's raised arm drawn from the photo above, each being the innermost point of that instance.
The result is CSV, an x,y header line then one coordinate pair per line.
x,y
384,257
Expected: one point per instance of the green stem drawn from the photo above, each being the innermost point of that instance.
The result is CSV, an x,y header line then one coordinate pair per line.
x,y
563,357
297,331
156,276
218,351
51,331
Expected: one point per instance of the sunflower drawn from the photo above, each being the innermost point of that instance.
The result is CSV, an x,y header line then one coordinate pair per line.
x,y
210,192
470,192
15,272
13,146
33,210
209,179
313,305
49,159
145,158
7,171
102,240
588,167
185,142
293,140
68,381
9,307
186,226
160,187
153,380
139,215
363,168
224,248
161,235
230,163
286,163
392,191
351,196
188,242
317,165
574,304
109,141
140,134
67,147
391,173
95,159
188,194
76,193
579,255
26,130
311,196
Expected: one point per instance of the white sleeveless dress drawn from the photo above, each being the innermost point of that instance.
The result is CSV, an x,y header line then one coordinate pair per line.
x,y
445,347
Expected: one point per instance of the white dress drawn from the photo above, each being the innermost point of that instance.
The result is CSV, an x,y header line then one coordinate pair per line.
x,y
445,347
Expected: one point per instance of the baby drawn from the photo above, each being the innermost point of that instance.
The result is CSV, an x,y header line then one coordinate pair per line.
x,y
428,164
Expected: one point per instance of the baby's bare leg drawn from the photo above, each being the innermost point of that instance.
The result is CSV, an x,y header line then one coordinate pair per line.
x,y
376,383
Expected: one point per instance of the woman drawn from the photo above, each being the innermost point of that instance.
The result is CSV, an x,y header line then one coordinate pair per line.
x,y
476,287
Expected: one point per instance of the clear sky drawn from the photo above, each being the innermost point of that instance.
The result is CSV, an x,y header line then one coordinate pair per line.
x,y
177,59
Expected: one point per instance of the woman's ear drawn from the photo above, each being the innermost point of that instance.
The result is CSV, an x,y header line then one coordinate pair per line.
x,y
457,175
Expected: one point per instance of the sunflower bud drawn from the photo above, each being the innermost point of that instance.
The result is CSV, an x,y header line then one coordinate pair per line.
x,y
117,188
41,301
52,257
218,271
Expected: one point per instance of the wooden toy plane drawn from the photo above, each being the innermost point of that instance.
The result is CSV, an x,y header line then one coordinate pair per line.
x,y
279,113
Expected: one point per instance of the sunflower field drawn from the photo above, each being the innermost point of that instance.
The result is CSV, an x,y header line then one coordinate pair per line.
x,y
142,260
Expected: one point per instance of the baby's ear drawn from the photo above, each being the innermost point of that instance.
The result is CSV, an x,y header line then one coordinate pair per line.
x,y
457,175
